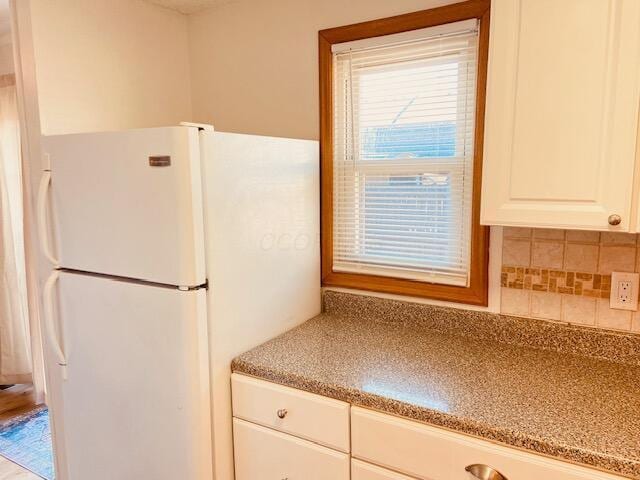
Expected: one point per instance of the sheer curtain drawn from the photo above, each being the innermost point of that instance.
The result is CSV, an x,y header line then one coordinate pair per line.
x,y
15,344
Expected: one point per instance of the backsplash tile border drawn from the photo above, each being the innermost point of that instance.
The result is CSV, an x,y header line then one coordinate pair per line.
x,y
556,281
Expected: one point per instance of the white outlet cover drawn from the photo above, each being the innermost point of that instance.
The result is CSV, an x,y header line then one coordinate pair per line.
x,y
624,291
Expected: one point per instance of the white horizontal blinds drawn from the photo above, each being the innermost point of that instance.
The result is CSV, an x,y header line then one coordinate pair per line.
x,y
404,114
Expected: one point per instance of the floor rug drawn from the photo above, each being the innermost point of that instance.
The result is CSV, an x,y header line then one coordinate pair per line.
x,y
27,442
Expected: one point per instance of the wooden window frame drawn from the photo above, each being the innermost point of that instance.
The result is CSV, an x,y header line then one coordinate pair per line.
x,y
477,292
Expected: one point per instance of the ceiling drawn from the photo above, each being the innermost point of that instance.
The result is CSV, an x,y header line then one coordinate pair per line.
x,y
188,6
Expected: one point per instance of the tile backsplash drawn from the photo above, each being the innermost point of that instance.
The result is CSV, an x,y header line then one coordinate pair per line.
x,y
566,275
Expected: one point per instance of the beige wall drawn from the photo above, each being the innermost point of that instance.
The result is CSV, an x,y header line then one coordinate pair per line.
x,y
115,64
109,64
6,59
254,63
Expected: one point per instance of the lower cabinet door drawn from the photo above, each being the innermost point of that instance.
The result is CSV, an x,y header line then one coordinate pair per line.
x,y
262,453
366,471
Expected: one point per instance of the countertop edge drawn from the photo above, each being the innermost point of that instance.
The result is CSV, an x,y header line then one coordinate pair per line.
x,y
590,459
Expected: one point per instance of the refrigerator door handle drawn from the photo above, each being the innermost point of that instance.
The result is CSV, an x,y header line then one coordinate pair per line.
x,y
43,232
49,327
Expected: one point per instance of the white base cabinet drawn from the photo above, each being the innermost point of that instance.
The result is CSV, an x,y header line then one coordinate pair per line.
x,y
378,446
262,453
429,453
366,471
305,415
561,119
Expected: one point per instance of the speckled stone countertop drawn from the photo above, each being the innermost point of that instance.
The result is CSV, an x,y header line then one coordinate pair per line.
x,y
585,409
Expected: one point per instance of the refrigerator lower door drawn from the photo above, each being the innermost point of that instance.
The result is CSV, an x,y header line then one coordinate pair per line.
x,y
127,204
135,402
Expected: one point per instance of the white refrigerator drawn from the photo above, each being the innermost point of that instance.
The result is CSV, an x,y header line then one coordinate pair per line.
x,y
171,250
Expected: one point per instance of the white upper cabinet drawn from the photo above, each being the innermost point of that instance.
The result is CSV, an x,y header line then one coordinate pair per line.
x,y
561,113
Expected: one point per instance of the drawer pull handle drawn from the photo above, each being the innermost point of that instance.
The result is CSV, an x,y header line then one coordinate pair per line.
x,y
614,219
282,413
484,472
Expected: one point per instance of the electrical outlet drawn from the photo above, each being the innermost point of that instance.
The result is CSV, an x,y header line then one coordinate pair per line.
x,y
624,291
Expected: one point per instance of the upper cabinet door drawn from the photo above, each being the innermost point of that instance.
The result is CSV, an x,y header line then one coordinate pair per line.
x,y
562,113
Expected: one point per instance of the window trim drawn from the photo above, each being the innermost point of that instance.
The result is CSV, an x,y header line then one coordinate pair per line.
x,y
477,292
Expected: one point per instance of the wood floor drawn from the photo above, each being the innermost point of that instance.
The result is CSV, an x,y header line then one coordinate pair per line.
x,y
15,401
11,471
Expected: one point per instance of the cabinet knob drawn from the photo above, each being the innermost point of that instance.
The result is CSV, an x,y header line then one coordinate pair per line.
x,y
282,413
484,472
615,219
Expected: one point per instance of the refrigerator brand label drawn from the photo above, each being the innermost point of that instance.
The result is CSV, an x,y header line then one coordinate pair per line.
x,y
159,160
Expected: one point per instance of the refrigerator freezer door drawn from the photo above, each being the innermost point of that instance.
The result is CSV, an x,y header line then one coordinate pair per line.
x,y
135,404
129,203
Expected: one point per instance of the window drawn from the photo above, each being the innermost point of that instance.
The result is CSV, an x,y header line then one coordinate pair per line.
x,y
401,154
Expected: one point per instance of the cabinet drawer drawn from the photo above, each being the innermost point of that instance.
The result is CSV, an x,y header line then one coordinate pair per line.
x,y
398,444
430,453
313,417
516,464
366,471
262,453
